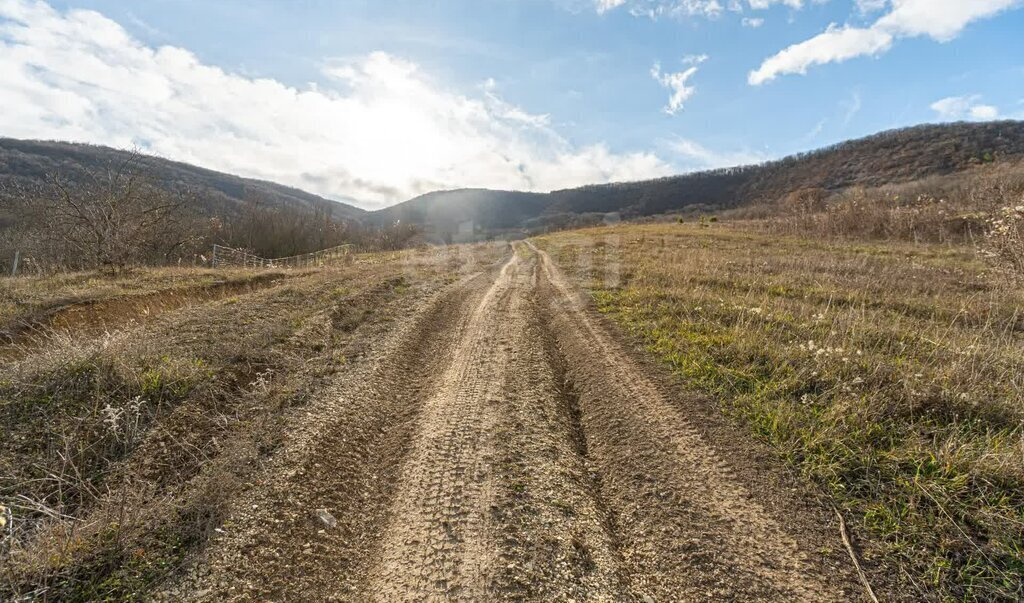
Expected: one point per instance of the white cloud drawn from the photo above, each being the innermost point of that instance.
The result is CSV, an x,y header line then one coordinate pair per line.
x,y
752,22
964,107
835,45
604,6
655,9
380,130
851,107
678,82
765,4
984,112
941,20
701,157
870,6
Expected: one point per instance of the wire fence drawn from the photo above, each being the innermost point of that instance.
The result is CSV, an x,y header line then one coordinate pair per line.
x,y
228,257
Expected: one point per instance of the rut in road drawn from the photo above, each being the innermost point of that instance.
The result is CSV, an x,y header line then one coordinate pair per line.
x,y
688,527
509,476
506,446
493,501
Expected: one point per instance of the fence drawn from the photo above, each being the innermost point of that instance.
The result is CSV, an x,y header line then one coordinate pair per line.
x,y
224,257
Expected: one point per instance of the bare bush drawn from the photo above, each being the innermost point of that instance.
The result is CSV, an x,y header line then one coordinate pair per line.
x,y
952,209
1004,242
109,219
281,231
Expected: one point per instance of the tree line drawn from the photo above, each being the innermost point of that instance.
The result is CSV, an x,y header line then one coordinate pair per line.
x,y
123,215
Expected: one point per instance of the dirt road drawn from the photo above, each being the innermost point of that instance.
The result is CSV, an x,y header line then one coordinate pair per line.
x,y
505,444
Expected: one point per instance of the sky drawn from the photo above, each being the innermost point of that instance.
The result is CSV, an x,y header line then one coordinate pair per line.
x,y
374,102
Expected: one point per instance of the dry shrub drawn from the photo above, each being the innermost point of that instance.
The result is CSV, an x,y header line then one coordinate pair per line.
x,y
951,209
1004,242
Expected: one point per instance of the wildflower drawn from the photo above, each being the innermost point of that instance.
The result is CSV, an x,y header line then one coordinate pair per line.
x,y
111,417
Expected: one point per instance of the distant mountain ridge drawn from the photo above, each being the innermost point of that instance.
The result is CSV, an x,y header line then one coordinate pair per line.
x,y
29,161
889,157
465,214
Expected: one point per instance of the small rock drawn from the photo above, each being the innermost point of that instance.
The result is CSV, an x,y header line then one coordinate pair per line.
x,y
325,516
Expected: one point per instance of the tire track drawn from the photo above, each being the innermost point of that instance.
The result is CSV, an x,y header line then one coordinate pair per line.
x,y
502,447
688,528
344,456
437,541
493,502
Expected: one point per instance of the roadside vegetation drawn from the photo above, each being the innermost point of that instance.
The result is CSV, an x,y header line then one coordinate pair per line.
x,y
887,372
124,212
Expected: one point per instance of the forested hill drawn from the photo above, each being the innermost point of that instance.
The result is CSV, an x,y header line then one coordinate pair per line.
x,y
889,157
28,162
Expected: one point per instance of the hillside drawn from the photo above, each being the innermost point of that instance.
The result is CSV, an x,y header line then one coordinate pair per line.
x,y
465,213
890,157
29,161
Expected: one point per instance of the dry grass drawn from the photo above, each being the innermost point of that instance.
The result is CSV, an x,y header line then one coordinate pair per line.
x,y
959,208
33,299
891,374
120,452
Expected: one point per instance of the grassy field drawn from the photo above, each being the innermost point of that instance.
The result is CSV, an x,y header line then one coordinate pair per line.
x,y
891,375
121,447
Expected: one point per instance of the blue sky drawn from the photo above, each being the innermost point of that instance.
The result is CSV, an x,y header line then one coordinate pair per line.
x,y
377,101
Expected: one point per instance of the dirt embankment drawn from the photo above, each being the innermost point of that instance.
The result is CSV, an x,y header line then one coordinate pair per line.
x,y
91,316
505,445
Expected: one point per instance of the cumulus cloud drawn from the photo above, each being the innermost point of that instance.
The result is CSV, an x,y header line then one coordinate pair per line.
x,y
678,82
941,20
836,44
964,107
378,130
752,22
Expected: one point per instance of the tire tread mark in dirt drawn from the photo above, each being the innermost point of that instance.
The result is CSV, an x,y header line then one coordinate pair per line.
x,y
689,530
435,545
346,464
494,503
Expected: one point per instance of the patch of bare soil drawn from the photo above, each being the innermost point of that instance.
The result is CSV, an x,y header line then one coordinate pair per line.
x,y
502,444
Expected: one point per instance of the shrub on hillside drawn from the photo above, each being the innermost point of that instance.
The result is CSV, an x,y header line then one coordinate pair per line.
x,y
1004,243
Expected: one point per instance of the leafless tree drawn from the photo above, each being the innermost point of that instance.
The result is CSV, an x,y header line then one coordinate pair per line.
x,y
111,218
